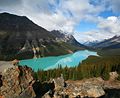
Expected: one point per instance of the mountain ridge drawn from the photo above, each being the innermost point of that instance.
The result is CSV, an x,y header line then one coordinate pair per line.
x,y
20,37
110,43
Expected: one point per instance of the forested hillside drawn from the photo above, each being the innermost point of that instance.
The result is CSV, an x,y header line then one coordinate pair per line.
x,y
93,66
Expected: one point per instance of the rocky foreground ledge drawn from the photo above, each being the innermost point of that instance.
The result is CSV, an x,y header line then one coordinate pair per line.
x,y
18,82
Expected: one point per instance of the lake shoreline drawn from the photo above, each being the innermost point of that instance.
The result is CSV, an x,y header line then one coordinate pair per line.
x,y
69,60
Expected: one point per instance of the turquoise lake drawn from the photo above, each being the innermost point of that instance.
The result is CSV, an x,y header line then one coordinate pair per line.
x,y
51,62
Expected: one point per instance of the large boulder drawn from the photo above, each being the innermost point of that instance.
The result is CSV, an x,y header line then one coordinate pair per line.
x,y
59,82
75,89
83,90
93,90
17,83
113,76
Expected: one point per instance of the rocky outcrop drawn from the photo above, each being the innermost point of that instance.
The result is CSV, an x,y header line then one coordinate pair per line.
x,y
113,76
87,88
59,83
17,83
75,89
5,65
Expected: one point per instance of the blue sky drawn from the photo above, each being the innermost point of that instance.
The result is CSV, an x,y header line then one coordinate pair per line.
x,y
87,20
106,14
85,26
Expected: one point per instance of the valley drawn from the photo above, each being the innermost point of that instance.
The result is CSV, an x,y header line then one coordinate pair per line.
x,y
37,63
19,36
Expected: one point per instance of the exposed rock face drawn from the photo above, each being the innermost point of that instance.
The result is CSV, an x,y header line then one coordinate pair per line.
x,y
17,83
59,83
5,65
94,90
74,89
113,76
66,37
87,88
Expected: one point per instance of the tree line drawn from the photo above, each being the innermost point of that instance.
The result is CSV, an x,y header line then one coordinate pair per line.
x,y
93,66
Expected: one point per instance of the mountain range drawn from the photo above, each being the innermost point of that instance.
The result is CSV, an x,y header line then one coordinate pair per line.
x,y
111,43
107,47
23,39
91,43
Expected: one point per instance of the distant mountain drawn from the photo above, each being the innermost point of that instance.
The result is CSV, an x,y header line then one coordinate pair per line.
x,y
111,43
108,47
90,44
22,39
66,37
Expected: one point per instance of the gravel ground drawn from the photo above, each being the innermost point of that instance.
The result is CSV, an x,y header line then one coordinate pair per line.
x,y
5,65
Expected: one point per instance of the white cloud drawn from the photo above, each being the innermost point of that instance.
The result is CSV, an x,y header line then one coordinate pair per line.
x,y
111,25
63,16
52,15
6,3
114,5
66,14
107,28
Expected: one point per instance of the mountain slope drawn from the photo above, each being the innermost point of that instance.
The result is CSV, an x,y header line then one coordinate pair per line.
x,y
111,43
65,37
22,26
90,44
108,47
22,39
